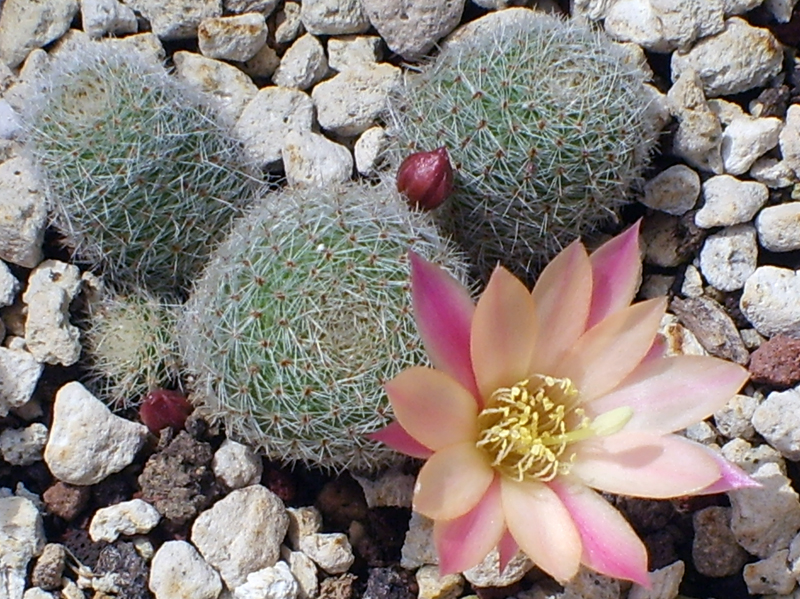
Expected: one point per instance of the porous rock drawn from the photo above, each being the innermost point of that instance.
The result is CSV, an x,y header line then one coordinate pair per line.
x,y
769,301
236,465
23,447
771,575
176,19
733,420
275,582
23,212
236,37
729,257
49,567
715,552
312,159
26,25
776,362
432,585
333,17
673,191
777,419
729,201
745,140
779,227
664,583
330,551
488,574
302,65
178,571
103,17
19,374
134,517
21,538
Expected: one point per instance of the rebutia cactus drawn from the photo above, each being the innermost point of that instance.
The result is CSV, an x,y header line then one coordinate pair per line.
x,y
131,346
548,127
302,314
142,178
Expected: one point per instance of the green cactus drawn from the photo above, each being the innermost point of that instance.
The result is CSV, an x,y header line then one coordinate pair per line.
x,y
301,315
131,346
142,178
547,125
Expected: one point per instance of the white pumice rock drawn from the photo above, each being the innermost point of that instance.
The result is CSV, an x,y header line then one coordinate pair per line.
x,y
236,465
9,285
333,17
104,17
674,191
487,573
779,227
330,551
745,140
178,571
23,213
729,201
692,285
657,111
663,26
789,138
781,9
392,488
734,419
303,65
349,103
729,257
769,301
433,586
134,517
701,432
287,23
739,7
777,419
276,582
312,159
664,583
235,37
418,548
268,117
23,446
353,51
25,25
303,521
735,60
241,533
80,459
773,173
726,111
265,7
19,373
11,125
304,571
176,19
410,29
37,593
368,149
48,333
698,139
21,538
145,43
770,575
263,64
28,83
228,88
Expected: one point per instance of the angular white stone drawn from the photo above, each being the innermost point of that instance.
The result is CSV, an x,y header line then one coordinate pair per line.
x,y
779,227
664,583
303,64
19,373
134,517
729,201
773,173
274,582
781,9
304,571
11,125
354,51
777,419
268,117
228,88
745,140
734,419
21,538
176,19
368,149
418,548
769,301
103,17
303,521
236,465
729,257
79,457
48,333
265,7
433,586
25,25
263,64
288,23
770,575
241,533
789,139
692,285
236,37
698,139
312,159
349,103
674,191
738,58
333,17
487,573
23,446
330,551
178,571
37,593
23,212
739,7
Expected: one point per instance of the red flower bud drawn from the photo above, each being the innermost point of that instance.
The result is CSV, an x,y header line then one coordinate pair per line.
x,y
426,178
162,408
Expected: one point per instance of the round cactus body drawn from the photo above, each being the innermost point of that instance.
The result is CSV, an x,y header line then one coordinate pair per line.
x,y
547,124
141,176
302,314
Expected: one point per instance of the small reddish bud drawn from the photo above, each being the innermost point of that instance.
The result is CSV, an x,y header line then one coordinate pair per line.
x,y
162,408
426,178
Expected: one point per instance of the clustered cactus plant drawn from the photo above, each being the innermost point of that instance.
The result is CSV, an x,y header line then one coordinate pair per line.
x,y
302,314
142,177
548,127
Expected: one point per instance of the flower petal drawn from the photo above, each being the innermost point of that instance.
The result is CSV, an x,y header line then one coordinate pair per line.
x,y
732,477
507,549
432,407
610,545
542,526
452,482
443,312
608,352
616,273
396,437
561,296
644,465
669,394
465,541
503,333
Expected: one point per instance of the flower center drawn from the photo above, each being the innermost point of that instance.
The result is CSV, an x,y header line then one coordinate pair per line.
x,y
526,429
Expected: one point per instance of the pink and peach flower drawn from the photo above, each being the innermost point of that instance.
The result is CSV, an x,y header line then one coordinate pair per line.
x,y
538,400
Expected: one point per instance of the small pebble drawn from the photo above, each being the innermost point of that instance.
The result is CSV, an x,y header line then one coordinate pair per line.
x,y
49,567
779,227
729,201
769,301
673,191
729,257
712,326
715,552
776,362
777,419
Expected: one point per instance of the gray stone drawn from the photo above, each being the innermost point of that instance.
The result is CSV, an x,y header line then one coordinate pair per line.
x,y
176,19
674,190
789,139
487,573
769,301
715,552
712,326
352,52
729,201
770,575
418,548
23,213
312,159
265,7
698,139
303,65
23,446
665,583
392,488
21,538
26,25
287,23
104,17
734,419
333,17
729,257
19,374
773,173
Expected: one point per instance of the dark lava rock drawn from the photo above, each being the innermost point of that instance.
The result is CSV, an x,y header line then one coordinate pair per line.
x,y
129,569
776,362
382,535
341,501
340,587
715,552
645,515
79,544
391,583
66,501
49,567
178,480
